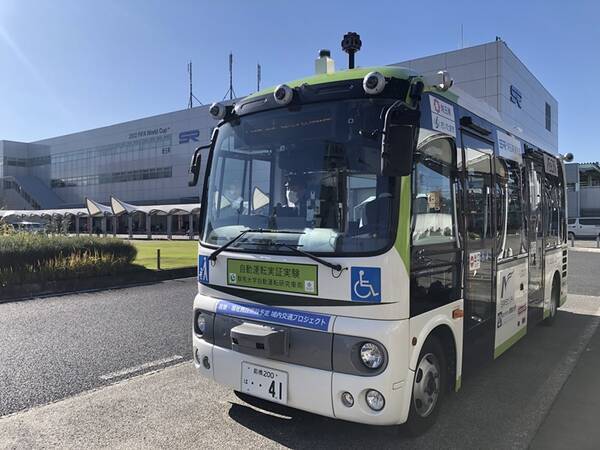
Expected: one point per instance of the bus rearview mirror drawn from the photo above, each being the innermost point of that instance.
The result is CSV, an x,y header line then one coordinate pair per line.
x,y
399,140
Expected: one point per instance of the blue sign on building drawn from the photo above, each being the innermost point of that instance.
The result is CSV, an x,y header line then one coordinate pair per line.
x,y
187,136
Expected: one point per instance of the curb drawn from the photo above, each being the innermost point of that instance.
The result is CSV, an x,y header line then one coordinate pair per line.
x,y
62,287
584,249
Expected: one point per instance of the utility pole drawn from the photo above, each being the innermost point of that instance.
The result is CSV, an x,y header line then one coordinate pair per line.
x,y
230,91
191,96
191,101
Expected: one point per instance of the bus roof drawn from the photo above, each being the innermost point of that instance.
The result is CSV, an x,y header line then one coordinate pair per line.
x,y
454,94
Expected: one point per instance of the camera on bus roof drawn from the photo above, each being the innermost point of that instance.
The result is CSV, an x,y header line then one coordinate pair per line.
x,y
283,94
218,111
374,83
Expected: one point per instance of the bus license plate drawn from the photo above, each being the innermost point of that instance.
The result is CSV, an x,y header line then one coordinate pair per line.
x,y
264,382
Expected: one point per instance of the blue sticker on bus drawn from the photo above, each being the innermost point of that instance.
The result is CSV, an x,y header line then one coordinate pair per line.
x,y
365,284
203,266
274,315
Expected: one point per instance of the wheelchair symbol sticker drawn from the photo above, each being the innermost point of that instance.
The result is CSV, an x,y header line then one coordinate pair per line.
x,y
366,284
203,269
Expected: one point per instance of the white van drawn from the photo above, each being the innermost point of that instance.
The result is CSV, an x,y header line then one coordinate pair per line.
x,y
584,227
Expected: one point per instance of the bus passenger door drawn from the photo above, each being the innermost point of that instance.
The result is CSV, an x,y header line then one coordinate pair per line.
x,y
535,234
479,252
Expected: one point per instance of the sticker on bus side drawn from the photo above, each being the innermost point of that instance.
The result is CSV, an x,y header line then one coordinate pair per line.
x,y
203,268
509,147
285,277
442,116
365,284
274,315
511,307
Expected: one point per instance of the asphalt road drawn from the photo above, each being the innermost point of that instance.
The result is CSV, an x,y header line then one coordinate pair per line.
x,y
51,348
57,348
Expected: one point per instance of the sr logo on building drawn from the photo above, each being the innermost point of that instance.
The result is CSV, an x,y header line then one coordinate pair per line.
x,y
187,136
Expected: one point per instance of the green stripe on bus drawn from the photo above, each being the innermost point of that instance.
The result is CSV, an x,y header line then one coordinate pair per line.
x,y
402,243
458,384
343,75
510,342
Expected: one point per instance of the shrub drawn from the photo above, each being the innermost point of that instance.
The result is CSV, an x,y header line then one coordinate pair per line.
x,y
28,257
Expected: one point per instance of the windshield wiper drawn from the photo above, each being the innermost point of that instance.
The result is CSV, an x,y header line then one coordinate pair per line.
x,y
213,255
294,248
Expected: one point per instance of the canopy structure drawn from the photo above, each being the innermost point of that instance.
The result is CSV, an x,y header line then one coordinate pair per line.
x,y
44,213
96,209
116,209
119,207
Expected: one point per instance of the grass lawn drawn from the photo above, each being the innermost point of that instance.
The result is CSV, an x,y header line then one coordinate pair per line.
x,y
173,254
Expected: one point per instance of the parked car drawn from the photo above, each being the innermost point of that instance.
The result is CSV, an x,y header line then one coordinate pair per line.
x,y
583,227
29,227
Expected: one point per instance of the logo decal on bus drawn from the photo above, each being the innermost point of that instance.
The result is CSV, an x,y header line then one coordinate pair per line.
x,y
203,266
365,284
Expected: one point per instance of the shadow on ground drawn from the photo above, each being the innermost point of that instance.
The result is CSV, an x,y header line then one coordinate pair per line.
x,y
501,406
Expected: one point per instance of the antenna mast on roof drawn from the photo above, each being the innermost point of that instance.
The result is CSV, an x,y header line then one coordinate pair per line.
x,y
230,92
258,69
192,96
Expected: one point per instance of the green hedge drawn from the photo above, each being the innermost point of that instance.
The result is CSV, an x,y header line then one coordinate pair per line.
x,y
30,258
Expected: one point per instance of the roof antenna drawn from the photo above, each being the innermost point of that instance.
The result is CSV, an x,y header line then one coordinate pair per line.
x,y
351,44
230,91
258,70
192,96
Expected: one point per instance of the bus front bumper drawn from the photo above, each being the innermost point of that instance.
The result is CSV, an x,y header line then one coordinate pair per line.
x,y
320,391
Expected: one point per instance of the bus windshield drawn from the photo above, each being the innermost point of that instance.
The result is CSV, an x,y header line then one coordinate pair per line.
x,y
314,169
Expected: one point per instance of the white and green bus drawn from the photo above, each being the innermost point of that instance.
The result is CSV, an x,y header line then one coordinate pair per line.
x,y
367,238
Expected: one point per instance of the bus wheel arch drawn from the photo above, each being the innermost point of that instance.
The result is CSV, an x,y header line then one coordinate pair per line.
x,y
433,372
555,294
446,338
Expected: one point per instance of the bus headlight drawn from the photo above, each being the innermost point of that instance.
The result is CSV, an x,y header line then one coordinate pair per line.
x,y
375,400
371,355
200,324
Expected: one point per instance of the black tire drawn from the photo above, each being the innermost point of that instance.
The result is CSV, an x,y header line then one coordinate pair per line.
x,y
419,419
554,302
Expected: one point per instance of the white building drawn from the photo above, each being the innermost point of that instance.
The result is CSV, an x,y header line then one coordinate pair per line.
x,y
143,161
492,72
146,161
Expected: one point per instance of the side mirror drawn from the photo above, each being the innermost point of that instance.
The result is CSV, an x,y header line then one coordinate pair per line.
x,y
195,164
399,140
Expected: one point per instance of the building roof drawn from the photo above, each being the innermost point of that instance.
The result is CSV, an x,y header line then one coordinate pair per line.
x,y
96,209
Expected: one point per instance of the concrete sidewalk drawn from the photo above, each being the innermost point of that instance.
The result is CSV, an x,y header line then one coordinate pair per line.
x,y
574,420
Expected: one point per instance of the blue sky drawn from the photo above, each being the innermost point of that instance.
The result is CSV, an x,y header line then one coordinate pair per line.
x,y
71,65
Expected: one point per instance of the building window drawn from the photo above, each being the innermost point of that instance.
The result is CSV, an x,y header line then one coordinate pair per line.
x,y
548,117
115,177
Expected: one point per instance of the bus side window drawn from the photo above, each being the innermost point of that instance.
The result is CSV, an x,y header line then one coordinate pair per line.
x,y
435,267
552,211
509,218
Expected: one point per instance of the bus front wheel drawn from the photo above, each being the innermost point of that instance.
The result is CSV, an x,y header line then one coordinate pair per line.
x,y
429,386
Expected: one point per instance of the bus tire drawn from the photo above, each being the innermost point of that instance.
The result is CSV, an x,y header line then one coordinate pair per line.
x,y
429,387
554,301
